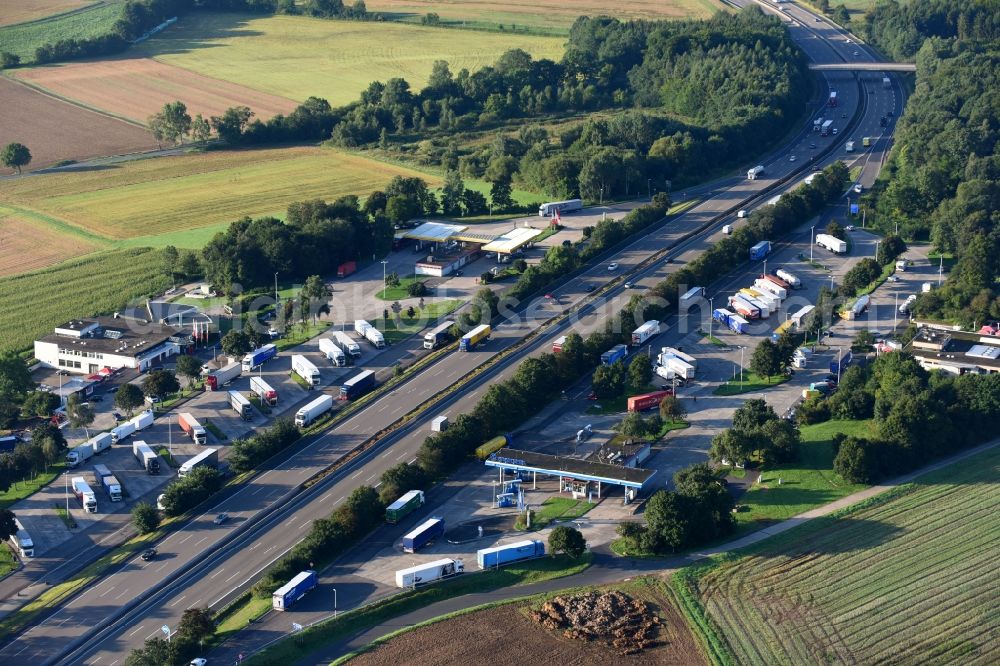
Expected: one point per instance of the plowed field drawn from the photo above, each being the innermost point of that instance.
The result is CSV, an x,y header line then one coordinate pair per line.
x,y
31,10
27,244
136,88
55,130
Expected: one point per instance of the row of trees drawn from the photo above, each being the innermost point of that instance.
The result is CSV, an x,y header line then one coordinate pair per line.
x,y
250,452
196,626
47,447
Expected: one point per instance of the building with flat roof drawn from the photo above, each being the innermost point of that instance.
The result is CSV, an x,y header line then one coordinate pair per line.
x,y
90,346
956,352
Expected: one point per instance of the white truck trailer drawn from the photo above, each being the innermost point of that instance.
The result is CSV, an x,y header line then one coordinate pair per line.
x,y
428,572
313,410
347,344
369,333
831,243
333,353
305,369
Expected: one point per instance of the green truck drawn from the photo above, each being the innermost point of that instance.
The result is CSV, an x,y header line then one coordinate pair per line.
x,y
405,505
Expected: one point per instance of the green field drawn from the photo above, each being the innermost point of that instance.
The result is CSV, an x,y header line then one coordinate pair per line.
x,y
298,57
751,383
173,195
23,39
905,580
33,303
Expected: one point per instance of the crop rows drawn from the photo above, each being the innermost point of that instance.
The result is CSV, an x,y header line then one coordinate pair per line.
x,y
909,581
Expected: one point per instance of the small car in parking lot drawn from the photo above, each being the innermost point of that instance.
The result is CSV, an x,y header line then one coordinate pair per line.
x,y
858,188
221,518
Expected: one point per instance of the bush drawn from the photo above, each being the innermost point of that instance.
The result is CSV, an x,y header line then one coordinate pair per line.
x,y
248,453
568,540
190,491
145,517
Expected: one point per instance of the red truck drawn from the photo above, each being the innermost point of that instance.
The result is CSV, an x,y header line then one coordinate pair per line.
x,y
191,426
346,268
776,280
638,403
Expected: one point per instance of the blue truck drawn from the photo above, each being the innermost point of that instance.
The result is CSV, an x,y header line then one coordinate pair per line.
x,y
840,365
733,321
514,552
258,357
760,250
286,595
423,534
616,353
358,385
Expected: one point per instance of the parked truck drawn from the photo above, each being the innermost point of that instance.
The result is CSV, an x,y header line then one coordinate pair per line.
x,y
219,378
687,358
312,411
100,442
799,317
489,558
645,332
305,369
639,403
439,335
194,430
744,307
404,506
332,352
109,482
241,405
429,572
552,207
346,268
677,367
760,250
147,459
840,364
83,493
790,278
358,385
259,356
286,595
120,432
901,265
778,282
369,333
831,243
263,391
423,534
207,458
692,294
346,343
769,300
557,345
832,99
755,172
80,454
616,353
858,308
475,337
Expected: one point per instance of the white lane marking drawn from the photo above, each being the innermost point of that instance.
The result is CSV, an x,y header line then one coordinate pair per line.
x,y
369,478
186,538
228,579
133,631
180,599
201,539
387,453
259,490
217,573
106,591
401,456
161,567
255,545
123,593
356,474
340,500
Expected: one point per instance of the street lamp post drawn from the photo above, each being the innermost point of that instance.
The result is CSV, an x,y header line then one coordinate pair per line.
x,y
334,603
741,365
275,294
649,190
840,362
384,262
895,311
812,241
711,316
876,249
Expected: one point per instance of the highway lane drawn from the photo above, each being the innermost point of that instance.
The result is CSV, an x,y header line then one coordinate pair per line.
x,y
265,490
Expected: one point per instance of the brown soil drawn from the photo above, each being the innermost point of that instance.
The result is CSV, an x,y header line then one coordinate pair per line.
x,y
54,130
505,636
32,10
612,618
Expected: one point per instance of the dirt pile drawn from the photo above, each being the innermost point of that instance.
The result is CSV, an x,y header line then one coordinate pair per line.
x,y
613,618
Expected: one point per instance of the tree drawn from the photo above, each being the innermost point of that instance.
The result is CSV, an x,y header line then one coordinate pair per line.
x,y
667,518
15,156
500,196
568,540
609,380
9,60
128,398
834,229
40,404
235,343
201,130
399,480
196,624
417,289
864,340
155,652
187,365
160,383
452,191
171,123
145,517
672,409
473,202
316,294
857,461
640,372
79,413
8,528
634,426
766,359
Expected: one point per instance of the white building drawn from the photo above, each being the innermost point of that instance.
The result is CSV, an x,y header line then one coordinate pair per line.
x,y
90,346
956,352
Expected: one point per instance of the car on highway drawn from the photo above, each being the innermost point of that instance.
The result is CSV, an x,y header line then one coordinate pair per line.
x,y
148,554
592,396
849,227
893,278
200,661
812,145
589,288
816,19
628,284
613,266
791,158
857,53
221,518
834,130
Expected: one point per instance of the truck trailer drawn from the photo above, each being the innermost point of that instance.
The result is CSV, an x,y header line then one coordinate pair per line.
x,y
109,482
439,335
692,294
259,356
840,365
826,128
755,172
858,307
405,505
286,595
21,540
194,430
760,250
773,284
241,405
616,353
832,99
831,243
345,342
305,369
489,558
80,454
369,333
551,208
346,268
639,403
744,307
207,458
306,415
799,317
558,343
83,493
332,352
687,358
423,534
358,385
645,332
790,278
219,378
263,391
849,146
475,337
429,572
147,459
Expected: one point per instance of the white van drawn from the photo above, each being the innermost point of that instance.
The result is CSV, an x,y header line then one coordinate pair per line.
x,y
743,213
727,229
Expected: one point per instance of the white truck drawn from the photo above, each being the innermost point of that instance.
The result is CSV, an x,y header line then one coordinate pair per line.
x,y
242,406
771,287
88,500
101,443
645,332
687,358
901,265
305,369
348,345
831,243
333,353
263,391
80,454
139,422
207,458
313,410
109,482
428,572
675,366
790,278
849,146
146,457
753,173
369,333
194,430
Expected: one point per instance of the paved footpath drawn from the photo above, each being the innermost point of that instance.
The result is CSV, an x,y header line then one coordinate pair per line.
x,y
608,568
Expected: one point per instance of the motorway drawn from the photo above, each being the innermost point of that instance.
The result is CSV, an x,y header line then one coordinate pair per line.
x,y
192,582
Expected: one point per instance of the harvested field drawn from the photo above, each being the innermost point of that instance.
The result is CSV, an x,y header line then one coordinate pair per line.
x,y
32,10
55,130
24,38
28,244
297,57
505,636
169,194
136,88
908,580
546,15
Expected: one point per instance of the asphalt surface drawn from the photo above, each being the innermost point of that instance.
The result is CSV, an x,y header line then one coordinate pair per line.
x,y
234,566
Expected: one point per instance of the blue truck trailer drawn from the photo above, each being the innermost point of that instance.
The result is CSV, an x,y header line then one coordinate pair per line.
x,y
840,365
286,595
423,534
760,250
616,353
513,552
258,357
358,385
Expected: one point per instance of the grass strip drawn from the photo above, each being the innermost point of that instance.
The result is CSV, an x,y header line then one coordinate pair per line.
x,y
751,382
215,430
21,489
